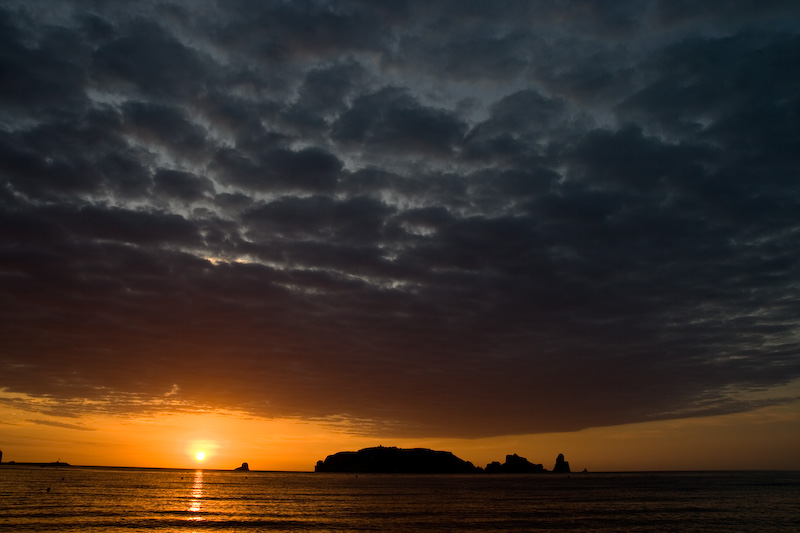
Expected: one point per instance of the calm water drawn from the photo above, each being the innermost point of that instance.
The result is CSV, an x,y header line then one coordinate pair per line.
x,y
94,499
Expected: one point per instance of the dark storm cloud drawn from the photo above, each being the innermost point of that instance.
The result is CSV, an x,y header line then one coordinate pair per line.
x,y
392,119
309,169
41,74
490,56
721,81
183,186
152,60
448,218
164,126
31,172
323,93
125,175
725,11
520,128
357,219
325,89
279,32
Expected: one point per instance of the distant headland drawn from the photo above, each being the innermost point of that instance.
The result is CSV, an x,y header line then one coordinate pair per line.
x,y
57,462
393,460
54,463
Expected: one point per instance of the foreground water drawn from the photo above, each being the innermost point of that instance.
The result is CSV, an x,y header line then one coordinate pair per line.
x,y
97,499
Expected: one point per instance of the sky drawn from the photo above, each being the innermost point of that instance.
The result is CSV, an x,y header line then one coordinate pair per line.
x,y
271,231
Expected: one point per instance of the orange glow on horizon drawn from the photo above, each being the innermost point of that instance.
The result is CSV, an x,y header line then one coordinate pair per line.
x,y
760,439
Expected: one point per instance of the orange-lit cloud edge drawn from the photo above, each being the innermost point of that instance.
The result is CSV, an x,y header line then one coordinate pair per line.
x,y
763,438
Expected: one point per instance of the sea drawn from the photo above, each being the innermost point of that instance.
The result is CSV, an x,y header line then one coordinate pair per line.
x,y
83,499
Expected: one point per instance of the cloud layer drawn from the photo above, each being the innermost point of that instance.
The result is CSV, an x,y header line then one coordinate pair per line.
x,y
448,218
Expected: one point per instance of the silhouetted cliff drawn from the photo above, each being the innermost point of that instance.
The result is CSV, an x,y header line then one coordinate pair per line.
x,y
396,460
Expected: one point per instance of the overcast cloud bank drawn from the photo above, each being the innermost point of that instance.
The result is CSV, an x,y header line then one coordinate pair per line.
x,y
425,218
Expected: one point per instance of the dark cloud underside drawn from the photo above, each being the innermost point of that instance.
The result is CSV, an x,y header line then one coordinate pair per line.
x,y
430,218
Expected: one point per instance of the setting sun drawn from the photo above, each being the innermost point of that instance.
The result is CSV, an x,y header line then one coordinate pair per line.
x,y
200,456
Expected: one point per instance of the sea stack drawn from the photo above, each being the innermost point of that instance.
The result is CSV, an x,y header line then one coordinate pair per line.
x,y
562,466
244,468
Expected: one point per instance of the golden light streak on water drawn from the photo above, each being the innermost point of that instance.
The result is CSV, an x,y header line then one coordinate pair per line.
x,y
197,497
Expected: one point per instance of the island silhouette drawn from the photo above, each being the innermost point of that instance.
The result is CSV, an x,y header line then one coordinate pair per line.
x,y
393,460
514,465
58,463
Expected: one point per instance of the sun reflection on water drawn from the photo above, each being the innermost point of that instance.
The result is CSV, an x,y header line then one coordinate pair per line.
x,y
197,497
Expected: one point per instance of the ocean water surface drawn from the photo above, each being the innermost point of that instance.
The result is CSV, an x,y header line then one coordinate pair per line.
x,y
105,499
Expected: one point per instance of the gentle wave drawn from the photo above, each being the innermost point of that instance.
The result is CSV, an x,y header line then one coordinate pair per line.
x,y
94,499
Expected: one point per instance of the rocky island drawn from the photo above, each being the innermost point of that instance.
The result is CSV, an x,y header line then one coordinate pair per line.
x,y
514,465
392,460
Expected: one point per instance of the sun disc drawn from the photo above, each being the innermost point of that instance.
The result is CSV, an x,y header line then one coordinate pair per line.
x,y
200,456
